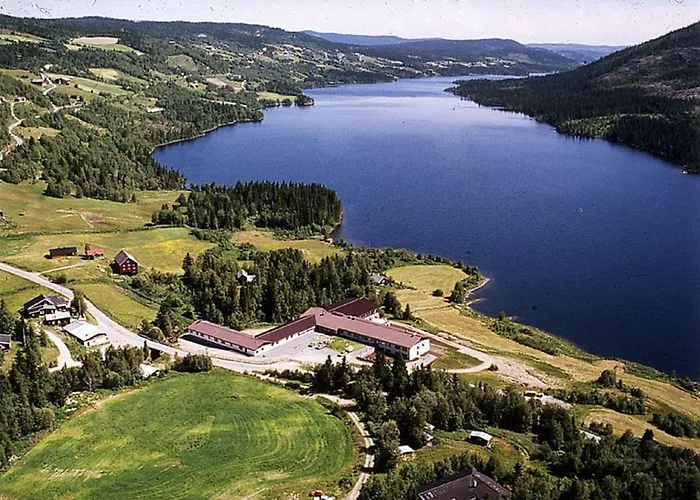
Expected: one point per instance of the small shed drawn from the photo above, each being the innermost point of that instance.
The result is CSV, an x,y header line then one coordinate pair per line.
x,y
147,371
480,438
5,342
406,451
57,318
94,253
378,279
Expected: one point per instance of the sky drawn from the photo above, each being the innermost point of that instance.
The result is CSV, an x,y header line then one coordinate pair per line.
x,y
602,22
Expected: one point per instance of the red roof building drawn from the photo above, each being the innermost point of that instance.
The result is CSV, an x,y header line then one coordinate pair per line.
x,y
227,337
95,253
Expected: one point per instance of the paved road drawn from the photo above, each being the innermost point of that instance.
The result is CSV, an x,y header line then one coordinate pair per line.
x,y
64,356
121,336
18,140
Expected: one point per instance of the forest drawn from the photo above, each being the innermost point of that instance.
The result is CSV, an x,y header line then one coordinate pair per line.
x,y
283,206
398,405
642,97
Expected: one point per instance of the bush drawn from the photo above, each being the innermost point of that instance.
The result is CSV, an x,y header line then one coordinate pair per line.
x,y
59,279
438,293
193,363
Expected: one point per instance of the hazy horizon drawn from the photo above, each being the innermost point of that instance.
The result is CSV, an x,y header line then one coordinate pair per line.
x,y
607,22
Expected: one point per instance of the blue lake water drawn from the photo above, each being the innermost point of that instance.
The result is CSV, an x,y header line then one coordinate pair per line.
x,y
595,242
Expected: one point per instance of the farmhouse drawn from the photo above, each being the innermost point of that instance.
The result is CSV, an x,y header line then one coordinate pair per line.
x,y
87,334
63,80
56,253
57,318
125,263
39,81
5,342
94,253
227,337
469,485
43,304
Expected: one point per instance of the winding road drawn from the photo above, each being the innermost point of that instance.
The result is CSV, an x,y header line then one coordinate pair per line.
x,y
65,359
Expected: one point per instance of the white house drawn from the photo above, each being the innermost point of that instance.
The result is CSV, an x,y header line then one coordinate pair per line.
x,y
87,334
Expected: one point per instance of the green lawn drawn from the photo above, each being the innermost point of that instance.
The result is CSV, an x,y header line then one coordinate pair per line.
x,y
187,437
452,359
117,304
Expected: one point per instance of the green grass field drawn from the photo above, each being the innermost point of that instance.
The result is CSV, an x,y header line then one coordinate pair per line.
x,y
27,207
452,359
117,304
97,86
159,248
16,291
313,250
187,437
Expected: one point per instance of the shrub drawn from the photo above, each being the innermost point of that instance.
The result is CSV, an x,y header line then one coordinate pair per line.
x,y
194,363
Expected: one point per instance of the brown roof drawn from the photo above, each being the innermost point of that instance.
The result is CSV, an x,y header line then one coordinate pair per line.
x,y
289,329
354,307
226,334
123,256
469,485
375,331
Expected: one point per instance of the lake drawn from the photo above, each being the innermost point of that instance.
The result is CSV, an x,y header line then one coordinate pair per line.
x,y
595,242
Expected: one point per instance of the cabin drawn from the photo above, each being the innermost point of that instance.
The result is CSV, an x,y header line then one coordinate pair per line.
x,y
245,277
406,451
379,279
57,318
62,80
41,82
468,485
20,99
57,253
125,263
42,305
85,333
5,342
94,253
480,438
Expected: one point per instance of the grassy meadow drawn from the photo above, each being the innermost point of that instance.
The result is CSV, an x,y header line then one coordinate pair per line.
x,y
313,250
117,304
188,437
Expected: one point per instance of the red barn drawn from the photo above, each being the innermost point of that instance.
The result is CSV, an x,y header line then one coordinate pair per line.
x,y
124,263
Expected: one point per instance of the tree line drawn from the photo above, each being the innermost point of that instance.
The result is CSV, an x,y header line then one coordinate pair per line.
x,y
275,205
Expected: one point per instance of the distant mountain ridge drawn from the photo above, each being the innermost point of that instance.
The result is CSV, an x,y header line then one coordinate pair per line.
x,y
582,53
647,96
366,40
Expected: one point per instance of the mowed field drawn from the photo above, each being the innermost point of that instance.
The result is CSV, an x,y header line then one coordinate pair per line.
x,y
116,304
16,291
159,248
187,437
27,207
313,250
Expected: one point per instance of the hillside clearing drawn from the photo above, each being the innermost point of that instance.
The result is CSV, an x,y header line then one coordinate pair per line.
x,y
313,250
117,304
188,437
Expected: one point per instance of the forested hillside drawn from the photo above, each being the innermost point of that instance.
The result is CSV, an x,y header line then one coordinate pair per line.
x,y
646,96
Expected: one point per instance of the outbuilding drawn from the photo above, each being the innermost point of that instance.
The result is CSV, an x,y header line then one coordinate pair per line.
x,y
480,438
56,253
87,334
94,253
57,318
5,342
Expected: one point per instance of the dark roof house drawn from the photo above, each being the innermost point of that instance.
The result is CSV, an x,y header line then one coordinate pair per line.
x,y
470,485
357,307
43,304
125,263
63,252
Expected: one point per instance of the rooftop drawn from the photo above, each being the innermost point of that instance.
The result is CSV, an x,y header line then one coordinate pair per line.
x,y
227,334
83,331
123,256
299,325
469,485
354,307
